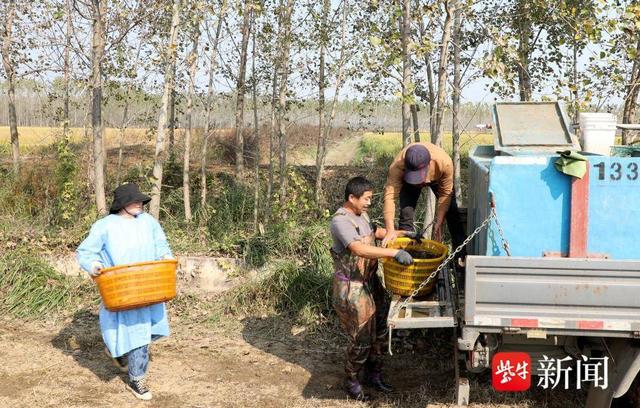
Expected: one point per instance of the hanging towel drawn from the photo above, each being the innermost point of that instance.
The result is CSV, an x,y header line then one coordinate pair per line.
x,y
571,163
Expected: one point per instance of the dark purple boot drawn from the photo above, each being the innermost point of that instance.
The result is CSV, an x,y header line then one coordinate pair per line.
x,y
376,381
354,390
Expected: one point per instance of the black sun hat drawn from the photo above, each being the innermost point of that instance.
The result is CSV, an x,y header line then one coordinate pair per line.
x,y
125,195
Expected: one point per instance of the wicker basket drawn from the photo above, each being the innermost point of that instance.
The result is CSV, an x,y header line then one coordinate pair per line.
x,y
131,286
403,280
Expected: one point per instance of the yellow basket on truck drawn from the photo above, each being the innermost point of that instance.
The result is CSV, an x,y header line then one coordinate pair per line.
x,y
131,286
403,280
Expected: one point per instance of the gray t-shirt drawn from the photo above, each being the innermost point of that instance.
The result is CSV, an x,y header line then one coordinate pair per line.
x,y
345,232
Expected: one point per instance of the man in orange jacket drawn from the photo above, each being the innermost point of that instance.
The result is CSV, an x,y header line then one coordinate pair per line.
x,y
421,165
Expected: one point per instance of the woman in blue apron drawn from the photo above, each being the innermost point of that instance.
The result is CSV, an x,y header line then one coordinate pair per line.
x,y
128,235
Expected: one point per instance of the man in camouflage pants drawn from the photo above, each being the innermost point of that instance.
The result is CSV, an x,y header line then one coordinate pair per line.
x,y
358,295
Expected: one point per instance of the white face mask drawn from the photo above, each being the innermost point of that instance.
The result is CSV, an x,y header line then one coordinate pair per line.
x,y
136,212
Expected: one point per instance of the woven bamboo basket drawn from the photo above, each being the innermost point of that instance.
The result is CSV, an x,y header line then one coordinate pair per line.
x,y
131,286
403,280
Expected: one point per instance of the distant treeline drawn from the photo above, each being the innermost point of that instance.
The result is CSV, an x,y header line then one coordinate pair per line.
x,y
38,107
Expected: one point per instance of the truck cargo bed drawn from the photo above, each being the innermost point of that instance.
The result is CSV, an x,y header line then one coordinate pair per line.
x,y
553,295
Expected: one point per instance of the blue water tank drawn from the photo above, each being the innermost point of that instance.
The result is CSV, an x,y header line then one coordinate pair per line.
x,y
533,201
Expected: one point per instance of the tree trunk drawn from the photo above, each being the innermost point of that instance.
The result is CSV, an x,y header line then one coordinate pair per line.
x,y
193,66
209,106
525,32
203,164
406,72
98,42
431,87
322,142
282,98
172,115
10,72
631,100
123,128
320,160
88,143
455,126
169,85
125,118
240,90
450,6
432,97
67,74
272,143
414,120
256,134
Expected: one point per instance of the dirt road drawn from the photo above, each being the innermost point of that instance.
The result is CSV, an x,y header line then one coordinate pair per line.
x,y
63,364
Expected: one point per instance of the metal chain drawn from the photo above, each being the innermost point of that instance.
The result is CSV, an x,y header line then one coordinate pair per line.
x,y
492,214
505,243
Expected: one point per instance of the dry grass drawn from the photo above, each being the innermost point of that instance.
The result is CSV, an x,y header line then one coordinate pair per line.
x,y
32,137
301,139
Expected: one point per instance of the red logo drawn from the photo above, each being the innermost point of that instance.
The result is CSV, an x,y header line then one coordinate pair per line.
x,y
511,371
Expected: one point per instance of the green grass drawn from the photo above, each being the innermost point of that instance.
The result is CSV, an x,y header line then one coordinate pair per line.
x,y
30,288
376,147
295,278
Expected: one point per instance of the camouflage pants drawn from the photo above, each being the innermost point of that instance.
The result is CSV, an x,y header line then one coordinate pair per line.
x,y
362,310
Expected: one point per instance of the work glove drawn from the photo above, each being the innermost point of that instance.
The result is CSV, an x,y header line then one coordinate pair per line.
x,y
95,269
403,257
